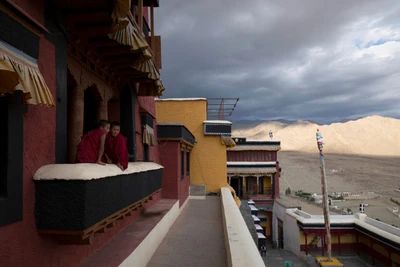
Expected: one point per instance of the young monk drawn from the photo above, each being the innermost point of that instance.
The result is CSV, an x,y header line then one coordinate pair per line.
x,y
115,148
91,147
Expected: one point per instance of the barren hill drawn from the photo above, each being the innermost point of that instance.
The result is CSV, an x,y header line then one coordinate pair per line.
x,y
374,135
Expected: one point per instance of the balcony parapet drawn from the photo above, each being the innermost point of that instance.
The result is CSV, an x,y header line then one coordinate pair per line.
x,y
75,201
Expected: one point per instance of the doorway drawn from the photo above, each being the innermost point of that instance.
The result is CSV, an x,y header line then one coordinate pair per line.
x,y
90,110
280,234
237,185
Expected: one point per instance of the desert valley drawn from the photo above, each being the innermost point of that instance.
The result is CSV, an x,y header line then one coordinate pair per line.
x,y
362,161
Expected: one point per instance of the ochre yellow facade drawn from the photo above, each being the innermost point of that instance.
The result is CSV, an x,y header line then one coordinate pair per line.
x,y
208,157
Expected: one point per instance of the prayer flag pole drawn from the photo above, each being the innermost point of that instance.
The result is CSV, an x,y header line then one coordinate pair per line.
x,y
324,195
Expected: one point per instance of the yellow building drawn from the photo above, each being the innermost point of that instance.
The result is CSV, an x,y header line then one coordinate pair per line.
x,y
208,157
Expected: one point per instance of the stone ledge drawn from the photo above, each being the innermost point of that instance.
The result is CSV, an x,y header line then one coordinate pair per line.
x,y
90,171
240,247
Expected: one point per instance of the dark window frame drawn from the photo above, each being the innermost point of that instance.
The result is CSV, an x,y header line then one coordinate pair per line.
x,y
187,163
11,199
146,152
182,164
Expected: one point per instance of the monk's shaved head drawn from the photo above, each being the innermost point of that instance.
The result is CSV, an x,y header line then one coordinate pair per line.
x,y
103,123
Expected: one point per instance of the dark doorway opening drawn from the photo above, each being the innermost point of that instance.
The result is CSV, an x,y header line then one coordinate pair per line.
x,y
90,110
4,146
236,183
280,234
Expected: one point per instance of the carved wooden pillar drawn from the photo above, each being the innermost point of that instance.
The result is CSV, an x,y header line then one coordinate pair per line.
x,y
102,112
244,186
75,121
305,236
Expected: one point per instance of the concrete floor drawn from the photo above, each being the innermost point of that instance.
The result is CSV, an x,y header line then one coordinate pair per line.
x,y
196,238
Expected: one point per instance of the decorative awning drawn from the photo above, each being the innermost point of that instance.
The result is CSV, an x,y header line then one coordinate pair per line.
x,y
130,37
19,71
151,88
149,67
121,9
148,136
228,141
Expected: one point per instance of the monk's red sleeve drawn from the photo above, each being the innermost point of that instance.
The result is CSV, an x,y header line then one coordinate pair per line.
x,y
121,151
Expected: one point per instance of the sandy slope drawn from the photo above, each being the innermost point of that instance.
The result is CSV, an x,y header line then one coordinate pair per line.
x,y
373,135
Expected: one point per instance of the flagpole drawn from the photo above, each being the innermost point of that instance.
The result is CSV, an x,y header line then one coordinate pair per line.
x,y
324,195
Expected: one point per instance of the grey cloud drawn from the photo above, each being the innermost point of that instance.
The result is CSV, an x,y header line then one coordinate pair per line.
x,y
267,55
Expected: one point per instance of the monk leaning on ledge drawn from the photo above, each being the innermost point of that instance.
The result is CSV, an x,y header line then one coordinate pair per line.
x,y
115,147
91,147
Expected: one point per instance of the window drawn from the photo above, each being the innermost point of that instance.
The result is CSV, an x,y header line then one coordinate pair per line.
x,y
182,164
187,163
11,172
146,152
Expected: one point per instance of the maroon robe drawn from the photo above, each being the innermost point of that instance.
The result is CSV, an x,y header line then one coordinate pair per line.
x,y
116,149
89,147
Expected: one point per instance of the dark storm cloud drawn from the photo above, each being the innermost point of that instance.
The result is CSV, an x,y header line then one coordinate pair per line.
x,y
316,60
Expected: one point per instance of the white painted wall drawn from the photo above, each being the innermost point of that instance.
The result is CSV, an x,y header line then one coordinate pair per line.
x,y
291,235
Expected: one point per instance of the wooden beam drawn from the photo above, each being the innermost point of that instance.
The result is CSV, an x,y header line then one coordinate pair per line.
x,y
99,30
89,16
117,59
114,51
103,42
140,16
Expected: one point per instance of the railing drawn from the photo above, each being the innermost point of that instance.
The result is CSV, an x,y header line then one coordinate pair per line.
x,y
78,200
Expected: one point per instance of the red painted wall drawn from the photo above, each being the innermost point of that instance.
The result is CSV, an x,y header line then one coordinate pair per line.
x,y
261,155
170,159
276,181
20,244
173,187
146,103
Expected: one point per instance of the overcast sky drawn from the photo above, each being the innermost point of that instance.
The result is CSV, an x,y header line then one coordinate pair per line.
x,y
302,59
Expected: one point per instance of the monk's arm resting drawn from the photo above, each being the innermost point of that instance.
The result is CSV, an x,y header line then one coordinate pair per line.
x,y
101,150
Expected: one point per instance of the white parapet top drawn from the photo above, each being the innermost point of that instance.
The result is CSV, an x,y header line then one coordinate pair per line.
x,y
251,202
180,99
261,236
380,228
217,122
253,208
240,247
248,163
258,227
90,171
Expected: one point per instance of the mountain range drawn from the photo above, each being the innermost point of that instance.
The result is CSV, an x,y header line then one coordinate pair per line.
x,y
373,135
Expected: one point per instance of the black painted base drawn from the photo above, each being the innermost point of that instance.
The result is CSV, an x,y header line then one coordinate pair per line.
x,y
77,204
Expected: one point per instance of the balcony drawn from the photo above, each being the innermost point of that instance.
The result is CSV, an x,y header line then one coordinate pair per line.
x,y
75,201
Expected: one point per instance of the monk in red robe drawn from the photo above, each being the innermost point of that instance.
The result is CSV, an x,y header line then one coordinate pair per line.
x,y
116,150
91,147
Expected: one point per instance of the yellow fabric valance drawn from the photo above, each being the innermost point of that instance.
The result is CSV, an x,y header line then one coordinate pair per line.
x,y
121,9
148,136
149,67
130,37
151,88
19,71
228,141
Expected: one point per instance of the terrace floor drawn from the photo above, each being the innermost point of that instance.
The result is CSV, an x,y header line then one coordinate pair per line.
x,y
195,239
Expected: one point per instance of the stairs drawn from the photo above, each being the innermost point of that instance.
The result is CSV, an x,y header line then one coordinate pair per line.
x,y
314,242
197,191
